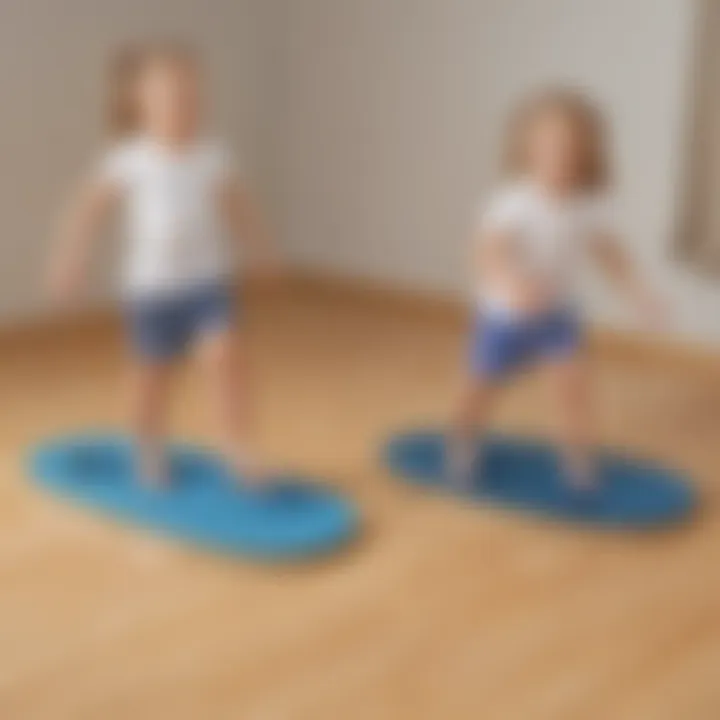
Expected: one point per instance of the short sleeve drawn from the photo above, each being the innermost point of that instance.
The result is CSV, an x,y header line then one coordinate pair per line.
x,y
504,212
116,167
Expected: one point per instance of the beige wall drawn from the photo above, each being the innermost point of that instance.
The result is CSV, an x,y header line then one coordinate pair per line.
x,y
393,113
371,125
52,59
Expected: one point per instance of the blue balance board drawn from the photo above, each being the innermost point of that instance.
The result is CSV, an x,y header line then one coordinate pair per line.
x,y
525,475
290,518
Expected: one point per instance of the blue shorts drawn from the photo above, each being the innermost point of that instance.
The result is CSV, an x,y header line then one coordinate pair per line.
x,y
162,328
501,346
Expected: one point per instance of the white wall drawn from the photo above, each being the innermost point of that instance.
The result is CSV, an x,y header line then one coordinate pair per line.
x,y
53,56
371,125
391,111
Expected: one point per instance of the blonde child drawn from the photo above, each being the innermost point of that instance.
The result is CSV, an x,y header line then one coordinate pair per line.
x,y
180,197
533,236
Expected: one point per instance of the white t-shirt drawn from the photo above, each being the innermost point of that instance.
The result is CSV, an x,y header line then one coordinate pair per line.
x,y
550,237
175,235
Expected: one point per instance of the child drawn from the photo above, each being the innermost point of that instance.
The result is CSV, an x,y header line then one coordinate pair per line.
x,y
533,236
180,197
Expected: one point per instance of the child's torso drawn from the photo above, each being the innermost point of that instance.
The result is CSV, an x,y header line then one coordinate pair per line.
x,y
549,239
175,236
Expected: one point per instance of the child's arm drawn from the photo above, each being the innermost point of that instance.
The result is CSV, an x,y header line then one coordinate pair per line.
x,y
80,226
499,267
618,267
494,258
247,224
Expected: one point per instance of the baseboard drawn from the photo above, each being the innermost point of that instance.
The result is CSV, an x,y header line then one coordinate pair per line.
x,y
381,294
621,345
629,346
98,316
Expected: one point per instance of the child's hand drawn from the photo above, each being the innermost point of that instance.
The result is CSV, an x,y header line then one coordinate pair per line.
x,y
267,266
529,298
65,281
652,308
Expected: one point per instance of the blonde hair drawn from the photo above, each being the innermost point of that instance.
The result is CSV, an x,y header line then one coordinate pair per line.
x,y
127,67
583,116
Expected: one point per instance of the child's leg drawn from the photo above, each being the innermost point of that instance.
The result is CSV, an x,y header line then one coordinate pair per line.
x,y
572,387
148,417
231,396
497,347
471,413
468,422
562,346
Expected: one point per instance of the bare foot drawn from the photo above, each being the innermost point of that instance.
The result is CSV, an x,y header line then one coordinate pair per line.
x,y
153,470
460,454
249,471
580,473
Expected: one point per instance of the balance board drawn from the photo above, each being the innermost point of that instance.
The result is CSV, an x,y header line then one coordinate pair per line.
x,y
524,475
291,518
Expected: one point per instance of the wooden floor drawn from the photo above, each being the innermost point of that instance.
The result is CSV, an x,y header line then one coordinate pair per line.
x,y
440,612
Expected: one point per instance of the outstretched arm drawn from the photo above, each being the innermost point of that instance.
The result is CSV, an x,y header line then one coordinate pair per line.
x,y
501,269
247,224
618,267
80,225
